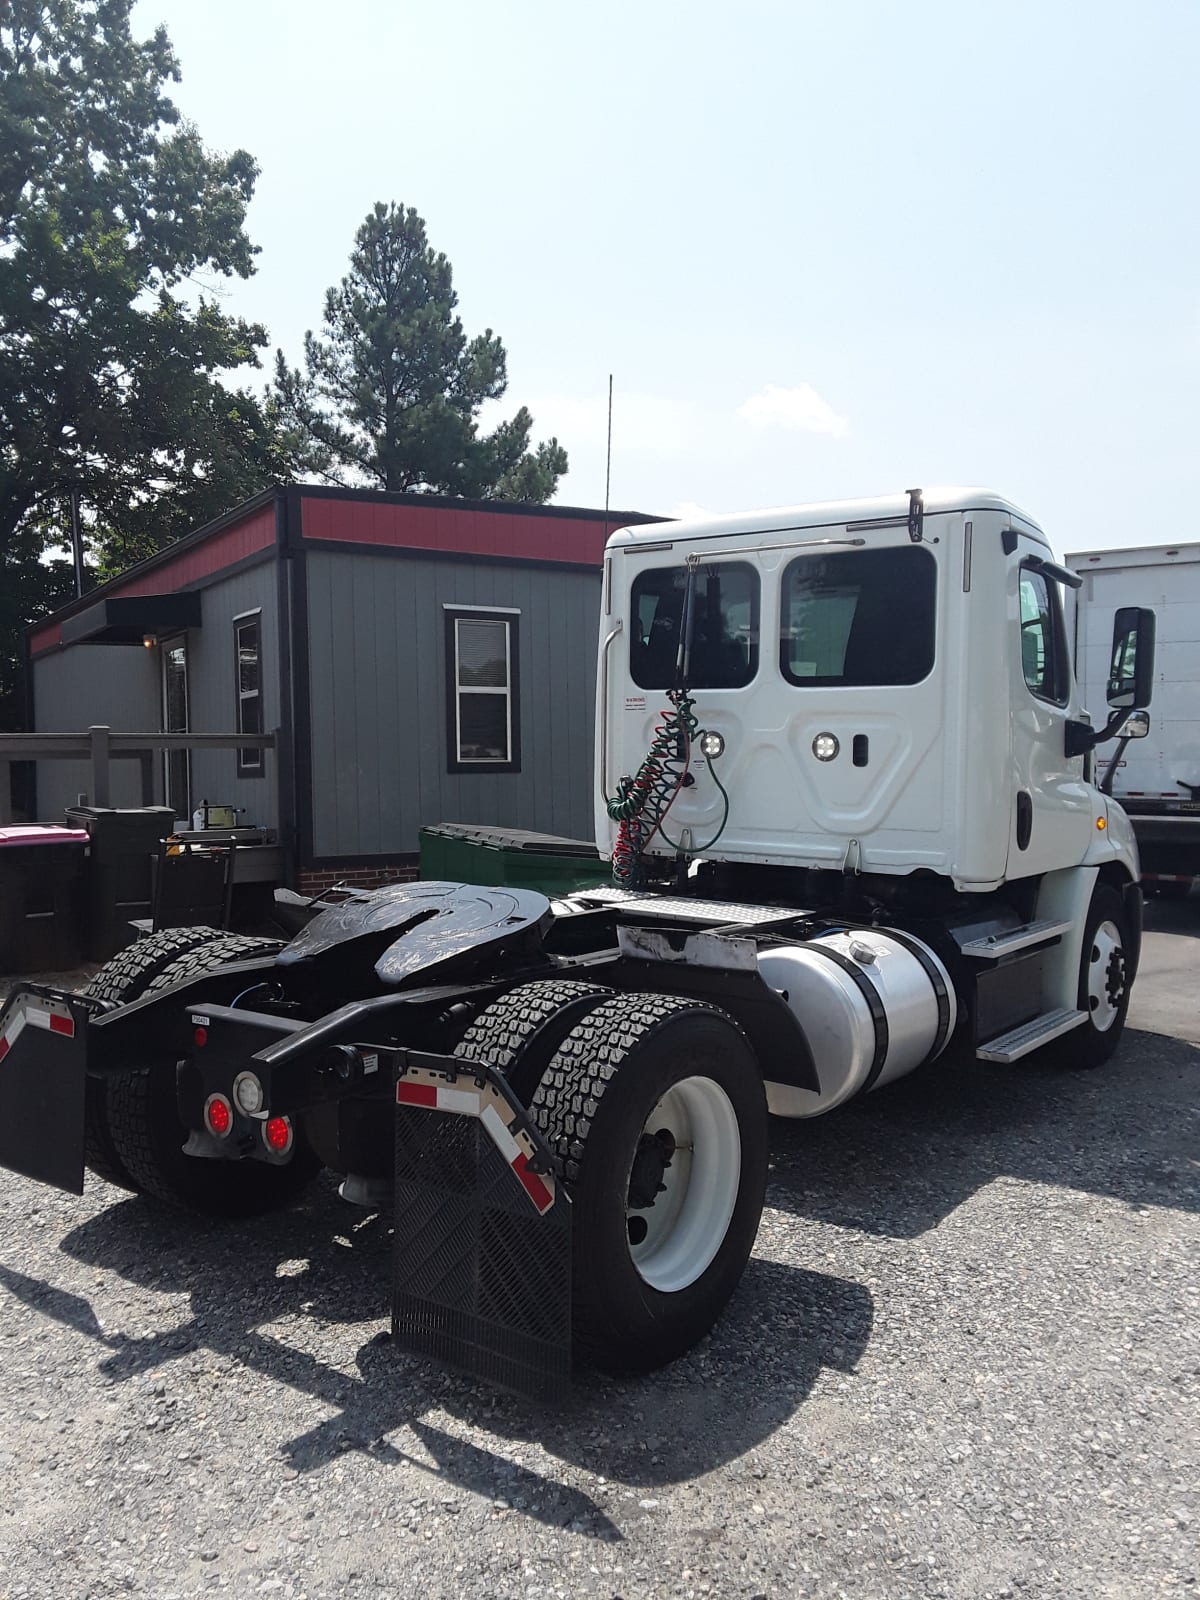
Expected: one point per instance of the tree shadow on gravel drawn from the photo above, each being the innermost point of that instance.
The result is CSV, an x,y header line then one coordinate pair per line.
x,y
326,1264
898,1162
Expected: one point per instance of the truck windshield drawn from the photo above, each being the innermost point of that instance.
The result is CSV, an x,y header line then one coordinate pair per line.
x,y
859,618
724,633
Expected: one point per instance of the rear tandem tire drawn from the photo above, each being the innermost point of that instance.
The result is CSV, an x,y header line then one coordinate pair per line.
x,y
641,1077
519,1033
122,980
148,1137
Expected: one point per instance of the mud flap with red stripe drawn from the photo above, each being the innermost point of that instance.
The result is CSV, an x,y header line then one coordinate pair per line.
x,y
482,1276
43,1083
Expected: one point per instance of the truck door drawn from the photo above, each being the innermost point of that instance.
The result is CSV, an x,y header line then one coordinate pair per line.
x,y
1052,812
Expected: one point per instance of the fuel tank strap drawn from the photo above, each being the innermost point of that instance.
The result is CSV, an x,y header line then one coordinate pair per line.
x,y
874,1004
932,971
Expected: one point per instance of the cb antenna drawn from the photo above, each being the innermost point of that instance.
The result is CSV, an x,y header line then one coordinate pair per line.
x,y
608,460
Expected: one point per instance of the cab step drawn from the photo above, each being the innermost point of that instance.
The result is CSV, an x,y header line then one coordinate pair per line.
x,y
1029,934
1030,1036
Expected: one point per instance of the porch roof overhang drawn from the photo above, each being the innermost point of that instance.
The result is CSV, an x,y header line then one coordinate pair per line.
x,y
132,619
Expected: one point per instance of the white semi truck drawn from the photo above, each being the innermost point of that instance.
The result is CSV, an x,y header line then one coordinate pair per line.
x,y
842,776
1157,780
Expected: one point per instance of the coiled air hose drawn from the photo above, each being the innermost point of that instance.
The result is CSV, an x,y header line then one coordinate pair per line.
x,y
642,801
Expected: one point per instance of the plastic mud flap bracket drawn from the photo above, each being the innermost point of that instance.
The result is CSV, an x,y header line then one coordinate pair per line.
x,y
482,1271
43,1083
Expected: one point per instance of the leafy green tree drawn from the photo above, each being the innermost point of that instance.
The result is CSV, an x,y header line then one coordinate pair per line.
x,y
114,219
390,393
30,588
111,214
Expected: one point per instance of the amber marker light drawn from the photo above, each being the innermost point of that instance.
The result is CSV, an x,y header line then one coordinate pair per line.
x,y
1101,824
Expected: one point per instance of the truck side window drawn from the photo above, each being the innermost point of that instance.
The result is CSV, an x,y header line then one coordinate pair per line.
x,y
859,619
1043,638
724,634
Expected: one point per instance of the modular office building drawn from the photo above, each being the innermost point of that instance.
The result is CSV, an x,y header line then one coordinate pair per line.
x,y
420,660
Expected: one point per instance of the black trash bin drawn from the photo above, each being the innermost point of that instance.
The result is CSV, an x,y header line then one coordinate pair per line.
x,y
120,886
41,898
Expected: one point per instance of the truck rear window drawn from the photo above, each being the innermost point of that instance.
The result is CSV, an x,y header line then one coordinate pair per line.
x,y
724,634
859,618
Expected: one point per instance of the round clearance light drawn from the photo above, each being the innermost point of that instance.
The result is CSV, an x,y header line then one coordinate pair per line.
x,y
277,1135
712,745
218,1115
248,1093
825,747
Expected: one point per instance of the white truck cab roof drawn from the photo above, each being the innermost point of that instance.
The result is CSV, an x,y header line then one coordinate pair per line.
x,y
877,509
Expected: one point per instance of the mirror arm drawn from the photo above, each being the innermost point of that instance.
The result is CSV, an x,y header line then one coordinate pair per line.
x,y
1080,738
1110,771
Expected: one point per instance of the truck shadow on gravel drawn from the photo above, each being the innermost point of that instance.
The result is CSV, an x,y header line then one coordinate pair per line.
x,y
897,1163
325,1265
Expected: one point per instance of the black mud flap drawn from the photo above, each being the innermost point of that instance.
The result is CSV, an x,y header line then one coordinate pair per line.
x,y
43,1084
482,1276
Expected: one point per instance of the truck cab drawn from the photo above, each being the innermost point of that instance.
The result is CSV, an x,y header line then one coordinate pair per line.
x,y
890,682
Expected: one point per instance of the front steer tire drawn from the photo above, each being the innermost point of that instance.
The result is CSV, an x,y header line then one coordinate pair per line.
x,y
599,1104
1104,982
148,1137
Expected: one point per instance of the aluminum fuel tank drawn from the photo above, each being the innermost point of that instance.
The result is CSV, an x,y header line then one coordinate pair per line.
x,y
873,1004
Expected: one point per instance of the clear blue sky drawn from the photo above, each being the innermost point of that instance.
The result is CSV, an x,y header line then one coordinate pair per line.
x,y
827,247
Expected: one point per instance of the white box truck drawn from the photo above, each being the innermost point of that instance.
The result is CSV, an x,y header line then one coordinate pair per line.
x,y
1156,779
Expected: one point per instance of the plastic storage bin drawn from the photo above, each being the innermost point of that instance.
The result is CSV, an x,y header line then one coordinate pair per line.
x,y
41,898
124,843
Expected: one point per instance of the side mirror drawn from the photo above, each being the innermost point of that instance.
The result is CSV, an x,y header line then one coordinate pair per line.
x,y
1131,676
1136,725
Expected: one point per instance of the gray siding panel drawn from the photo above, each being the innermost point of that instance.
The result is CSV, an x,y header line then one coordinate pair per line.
x,y
88,684
212,691
379,704
121,685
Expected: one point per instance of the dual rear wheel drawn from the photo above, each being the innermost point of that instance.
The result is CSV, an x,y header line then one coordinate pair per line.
x,y
653,1104
656,1109
132,1134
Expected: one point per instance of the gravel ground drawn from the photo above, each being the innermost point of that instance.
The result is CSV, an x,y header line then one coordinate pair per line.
x,y
964,1362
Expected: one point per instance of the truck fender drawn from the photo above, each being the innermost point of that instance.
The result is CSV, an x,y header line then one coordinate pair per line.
x,y
1064,896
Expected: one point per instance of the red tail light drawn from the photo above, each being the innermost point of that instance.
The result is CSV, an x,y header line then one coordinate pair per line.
x,y
277,1135
218,1115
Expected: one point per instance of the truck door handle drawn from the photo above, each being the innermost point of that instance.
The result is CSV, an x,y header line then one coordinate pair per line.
x,y
1024,818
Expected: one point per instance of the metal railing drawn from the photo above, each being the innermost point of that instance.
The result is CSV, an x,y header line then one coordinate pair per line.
x,y
100,746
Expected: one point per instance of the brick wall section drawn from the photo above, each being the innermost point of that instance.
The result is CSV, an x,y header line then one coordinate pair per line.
x,y
315,883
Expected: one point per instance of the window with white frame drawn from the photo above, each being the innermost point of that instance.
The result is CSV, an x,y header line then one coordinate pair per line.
x,y
483,721
247,636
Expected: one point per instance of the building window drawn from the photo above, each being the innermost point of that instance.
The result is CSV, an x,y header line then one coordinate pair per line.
x,y
247,636
483,732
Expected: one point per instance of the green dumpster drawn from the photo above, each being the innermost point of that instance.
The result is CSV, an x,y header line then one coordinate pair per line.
x,y
459,852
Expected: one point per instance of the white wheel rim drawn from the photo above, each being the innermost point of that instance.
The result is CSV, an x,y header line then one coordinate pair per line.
x,y
687,1223
1106,976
